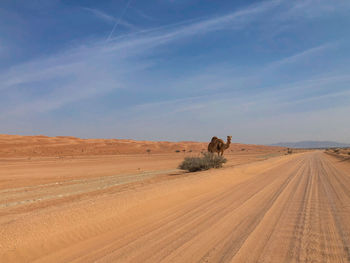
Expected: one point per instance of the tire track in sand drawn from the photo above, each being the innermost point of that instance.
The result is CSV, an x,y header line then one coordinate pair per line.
x,y
297,211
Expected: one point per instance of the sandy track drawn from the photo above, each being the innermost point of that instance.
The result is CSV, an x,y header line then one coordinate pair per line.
x,y
285,209
42,192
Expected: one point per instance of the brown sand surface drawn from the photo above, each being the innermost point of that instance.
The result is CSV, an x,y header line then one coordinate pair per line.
x,y
63,146
263,206
340,153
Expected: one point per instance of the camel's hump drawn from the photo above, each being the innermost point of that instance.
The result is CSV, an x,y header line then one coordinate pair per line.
x,y
214,138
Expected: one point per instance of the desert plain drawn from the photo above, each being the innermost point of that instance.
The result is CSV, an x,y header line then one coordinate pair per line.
x,y
65,199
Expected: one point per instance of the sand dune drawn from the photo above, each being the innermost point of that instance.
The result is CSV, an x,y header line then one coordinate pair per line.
x,y
33,146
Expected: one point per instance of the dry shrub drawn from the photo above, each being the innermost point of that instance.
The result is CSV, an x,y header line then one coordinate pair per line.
x,y
205,162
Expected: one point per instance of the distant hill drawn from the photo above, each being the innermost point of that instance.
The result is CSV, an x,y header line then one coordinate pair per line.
x,y
311,144
35,146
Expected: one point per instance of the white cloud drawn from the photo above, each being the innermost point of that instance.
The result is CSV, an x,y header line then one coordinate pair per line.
x,y
101,15
313,9
87,63
110,19
302,55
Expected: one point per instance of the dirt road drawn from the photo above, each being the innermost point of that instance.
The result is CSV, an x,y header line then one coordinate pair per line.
x,y
285,209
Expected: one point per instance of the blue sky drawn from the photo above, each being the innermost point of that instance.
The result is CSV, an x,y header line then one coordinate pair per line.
x,y
261,71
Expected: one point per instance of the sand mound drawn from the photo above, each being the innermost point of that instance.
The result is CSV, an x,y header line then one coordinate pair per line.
x,y
24,146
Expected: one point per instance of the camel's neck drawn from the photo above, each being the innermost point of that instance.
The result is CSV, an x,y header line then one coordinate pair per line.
x,y
227,144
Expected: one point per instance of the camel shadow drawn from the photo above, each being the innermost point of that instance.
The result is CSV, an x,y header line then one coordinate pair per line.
x,y
178,173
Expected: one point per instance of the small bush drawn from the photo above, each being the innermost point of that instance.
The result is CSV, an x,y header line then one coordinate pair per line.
x,y
336,150
289,151
177,151
207,161
348,153
148,150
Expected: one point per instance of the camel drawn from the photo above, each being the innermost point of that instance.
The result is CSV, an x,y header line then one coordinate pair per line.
x,y
217,145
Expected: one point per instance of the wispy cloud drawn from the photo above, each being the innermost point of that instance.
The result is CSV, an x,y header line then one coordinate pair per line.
x,y
83,58
110,19
220,78
233,21
119,19
144,15
312,9
303,54
100,14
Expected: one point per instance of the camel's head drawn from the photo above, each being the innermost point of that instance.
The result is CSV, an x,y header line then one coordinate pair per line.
x,y
229,138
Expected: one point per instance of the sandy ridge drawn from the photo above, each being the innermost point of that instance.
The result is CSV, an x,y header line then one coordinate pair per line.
x,y
61,146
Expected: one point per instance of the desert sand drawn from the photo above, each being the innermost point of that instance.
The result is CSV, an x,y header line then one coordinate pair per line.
x,y
61,146
64,199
